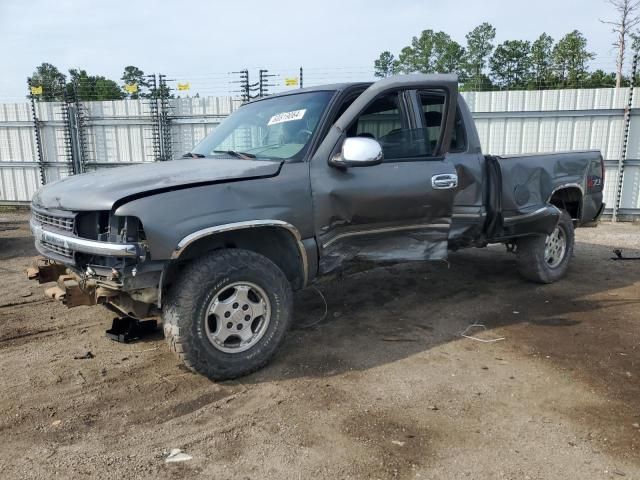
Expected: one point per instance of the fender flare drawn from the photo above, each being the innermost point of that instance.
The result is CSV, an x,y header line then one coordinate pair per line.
x,y
228,227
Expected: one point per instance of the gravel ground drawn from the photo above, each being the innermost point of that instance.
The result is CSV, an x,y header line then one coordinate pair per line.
x,y
383,387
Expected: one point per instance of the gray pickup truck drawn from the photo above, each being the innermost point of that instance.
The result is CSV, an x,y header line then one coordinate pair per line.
x,y
292,187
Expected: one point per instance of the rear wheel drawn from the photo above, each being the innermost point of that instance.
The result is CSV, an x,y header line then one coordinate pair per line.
x,y
228,313
546,259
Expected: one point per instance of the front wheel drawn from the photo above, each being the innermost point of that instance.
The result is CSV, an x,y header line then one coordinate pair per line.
x,y
228,313
546,259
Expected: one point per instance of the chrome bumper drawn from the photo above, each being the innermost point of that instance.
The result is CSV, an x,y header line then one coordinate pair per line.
x,y
83,245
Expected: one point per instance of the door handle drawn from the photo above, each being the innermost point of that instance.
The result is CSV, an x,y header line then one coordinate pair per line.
x,y
444,181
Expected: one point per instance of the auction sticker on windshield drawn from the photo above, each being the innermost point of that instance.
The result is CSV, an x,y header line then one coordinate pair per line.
x,y
287,116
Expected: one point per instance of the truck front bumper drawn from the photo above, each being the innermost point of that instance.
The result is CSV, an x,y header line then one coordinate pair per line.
x,y
90,272
60,244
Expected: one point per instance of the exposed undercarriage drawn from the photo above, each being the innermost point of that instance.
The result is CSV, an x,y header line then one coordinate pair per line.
x,y
74,289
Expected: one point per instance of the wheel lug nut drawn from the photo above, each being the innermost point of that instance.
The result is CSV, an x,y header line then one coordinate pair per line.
x,y
227,314
247,318
239,327
235,305
245,307
229,325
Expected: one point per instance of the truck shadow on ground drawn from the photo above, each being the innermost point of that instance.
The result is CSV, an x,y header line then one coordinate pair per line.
x,y
14,247
584,325
390,313
12,240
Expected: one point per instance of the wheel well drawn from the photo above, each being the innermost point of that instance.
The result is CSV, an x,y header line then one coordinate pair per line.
x,y
569,199
275,243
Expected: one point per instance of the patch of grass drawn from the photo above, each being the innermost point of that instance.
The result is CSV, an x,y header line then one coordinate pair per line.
x,y
14,208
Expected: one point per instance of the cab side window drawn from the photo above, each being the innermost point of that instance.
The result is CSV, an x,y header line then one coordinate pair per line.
x,y
385,122
381,118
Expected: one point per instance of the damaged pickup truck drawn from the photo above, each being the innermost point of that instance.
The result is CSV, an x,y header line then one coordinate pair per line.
x,y
295,186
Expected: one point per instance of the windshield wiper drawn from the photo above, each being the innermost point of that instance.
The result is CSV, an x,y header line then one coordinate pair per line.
x,y
233,153
193,155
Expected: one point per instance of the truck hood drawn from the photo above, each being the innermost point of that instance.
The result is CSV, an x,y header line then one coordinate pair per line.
x,y
102,189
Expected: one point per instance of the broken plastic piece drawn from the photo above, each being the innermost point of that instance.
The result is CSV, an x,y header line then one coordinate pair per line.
x,y
177,455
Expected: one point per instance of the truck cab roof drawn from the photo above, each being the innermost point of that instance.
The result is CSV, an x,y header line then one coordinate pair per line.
x,y
413,79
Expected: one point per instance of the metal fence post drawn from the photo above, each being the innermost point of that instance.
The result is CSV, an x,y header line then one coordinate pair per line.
x,y
36,130
155,117
166,142
68,117
245,88
80,130
74,128
625,141
263,89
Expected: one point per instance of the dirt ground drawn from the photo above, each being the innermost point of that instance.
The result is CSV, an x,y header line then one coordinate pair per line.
x,y
383,387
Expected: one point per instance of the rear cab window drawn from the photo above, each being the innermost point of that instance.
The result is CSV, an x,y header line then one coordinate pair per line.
x,y
432,117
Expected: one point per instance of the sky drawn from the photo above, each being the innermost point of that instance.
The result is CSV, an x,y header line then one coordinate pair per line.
x,y
200,41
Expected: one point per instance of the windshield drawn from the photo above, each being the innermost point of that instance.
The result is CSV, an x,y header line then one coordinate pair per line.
x,y
274,128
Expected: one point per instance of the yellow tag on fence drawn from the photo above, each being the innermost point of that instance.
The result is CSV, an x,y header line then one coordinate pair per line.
x,y
36,90
291,82
184,86
131,88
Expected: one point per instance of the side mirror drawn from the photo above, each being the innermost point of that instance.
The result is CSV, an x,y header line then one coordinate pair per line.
x,y
358,152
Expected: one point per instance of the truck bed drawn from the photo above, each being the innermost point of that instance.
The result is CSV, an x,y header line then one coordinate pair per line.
x,y
528,183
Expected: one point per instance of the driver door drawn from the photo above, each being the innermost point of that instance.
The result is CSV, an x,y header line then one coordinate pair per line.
x,y
397,210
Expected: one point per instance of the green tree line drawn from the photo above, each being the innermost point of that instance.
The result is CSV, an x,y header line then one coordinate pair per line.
x,y
513,64
85,87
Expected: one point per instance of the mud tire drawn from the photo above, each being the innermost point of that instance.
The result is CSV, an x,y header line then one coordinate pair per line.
x,y
184,312
530,254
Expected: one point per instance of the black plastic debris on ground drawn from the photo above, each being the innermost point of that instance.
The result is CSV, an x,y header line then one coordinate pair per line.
x,y
86,356
619,256
127,329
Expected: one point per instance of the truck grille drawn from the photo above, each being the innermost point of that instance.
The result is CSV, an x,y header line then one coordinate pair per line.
x,y
65,252
59,222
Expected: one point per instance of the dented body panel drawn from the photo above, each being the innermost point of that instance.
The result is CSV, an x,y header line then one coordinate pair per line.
x,y
391,211
529,181
401,209
384,213
285,197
